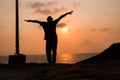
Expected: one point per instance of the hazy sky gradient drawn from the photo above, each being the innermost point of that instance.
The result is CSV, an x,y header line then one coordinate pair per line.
x,y
94,25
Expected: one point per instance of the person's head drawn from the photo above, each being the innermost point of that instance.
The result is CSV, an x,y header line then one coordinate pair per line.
x,y
49,18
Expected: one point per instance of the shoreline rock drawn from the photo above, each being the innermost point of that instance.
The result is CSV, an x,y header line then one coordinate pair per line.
x,y
111,53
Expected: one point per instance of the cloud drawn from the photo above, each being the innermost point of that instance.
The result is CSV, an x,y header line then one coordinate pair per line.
x,y
105,29
61,25
48,11
46,8
37,5
92,29
52,3
52,7
102,29
40,4
76,5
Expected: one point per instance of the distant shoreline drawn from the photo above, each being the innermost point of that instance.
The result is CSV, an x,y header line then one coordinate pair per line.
x,y
45,54
61,58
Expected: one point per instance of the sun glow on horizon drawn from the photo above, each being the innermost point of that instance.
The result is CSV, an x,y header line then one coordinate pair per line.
x,y
65,29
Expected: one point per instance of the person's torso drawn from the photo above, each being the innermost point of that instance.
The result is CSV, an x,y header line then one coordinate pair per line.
x,y
50,30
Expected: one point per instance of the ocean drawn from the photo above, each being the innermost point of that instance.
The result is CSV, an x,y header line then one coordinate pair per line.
x,y
61,58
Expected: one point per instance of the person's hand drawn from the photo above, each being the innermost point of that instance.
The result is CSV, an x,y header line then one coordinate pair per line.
x,y
70,12
27,20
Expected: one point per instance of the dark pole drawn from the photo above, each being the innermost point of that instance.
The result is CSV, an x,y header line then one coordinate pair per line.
x,y
17,58
17,28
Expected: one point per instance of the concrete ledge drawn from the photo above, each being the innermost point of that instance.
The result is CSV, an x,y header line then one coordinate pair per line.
x,y
17,59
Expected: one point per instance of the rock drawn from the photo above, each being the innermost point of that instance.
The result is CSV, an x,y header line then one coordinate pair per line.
x,y
111,53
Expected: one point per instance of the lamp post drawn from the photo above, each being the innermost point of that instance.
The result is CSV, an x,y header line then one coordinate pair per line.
x,y
17,28
17,58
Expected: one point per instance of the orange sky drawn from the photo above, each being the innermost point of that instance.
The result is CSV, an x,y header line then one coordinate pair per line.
x,y
94,25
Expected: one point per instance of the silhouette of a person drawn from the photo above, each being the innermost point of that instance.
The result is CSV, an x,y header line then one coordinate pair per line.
x,y
49,28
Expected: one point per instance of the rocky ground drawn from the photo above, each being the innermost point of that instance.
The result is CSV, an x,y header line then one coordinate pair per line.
x,y
107,70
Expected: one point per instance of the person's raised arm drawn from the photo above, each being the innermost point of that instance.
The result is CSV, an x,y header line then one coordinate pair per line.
x,y
62,16
34,21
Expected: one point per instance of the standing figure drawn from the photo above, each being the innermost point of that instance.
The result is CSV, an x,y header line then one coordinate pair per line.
x,y
49,28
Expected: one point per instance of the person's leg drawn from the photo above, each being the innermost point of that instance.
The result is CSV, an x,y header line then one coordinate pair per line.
x,y
54,55
48,51
54,51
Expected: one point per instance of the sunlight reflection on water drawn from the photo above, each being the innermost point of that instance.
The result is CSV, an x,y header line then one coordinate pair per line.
x,y
66,58
72,58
